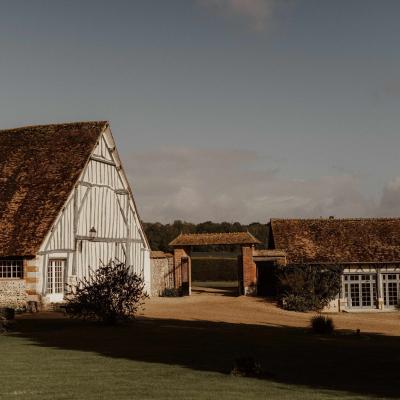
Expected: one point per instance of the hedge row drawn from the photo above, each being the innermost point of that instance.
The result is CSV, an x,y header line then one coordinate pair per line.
x,y
214,269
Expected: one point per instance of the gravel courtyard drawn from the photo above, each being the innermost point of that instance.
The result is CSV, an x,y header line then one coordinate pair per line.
x,y
219,306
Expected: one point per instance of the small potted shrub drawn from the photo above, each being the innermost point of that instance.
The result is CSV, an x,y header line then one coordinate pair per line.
x,y
322,325
247,367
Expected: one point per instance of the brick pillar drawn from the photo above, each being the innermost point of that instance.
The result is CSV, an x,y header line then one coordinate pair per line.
x,y
179,253
249,271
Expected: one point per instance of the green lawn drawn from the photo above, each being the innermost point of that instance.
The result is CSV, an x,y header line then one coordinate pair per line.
x,y
170,359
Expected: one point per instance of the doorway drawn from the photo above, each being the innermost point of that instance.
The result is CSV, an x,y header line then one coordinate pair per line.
x,y
360,290
55,280
266,279
391,283
185,276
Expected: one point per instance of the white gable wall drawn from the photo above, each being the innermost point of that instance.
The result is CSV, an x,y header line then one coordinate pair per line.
x,y
101,199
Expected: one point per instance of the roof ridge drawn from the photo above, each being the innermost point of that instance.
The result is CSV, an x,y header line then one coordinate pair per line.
x,y
213,233
337,219
23,127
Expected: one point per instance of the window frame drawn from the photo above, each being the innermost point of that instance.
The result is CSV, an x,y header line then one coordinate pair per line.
x,y
15,268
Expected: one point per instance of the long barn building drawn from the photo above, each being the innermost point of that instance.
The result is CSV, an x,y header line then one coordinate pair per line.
x,y
367,249
66,206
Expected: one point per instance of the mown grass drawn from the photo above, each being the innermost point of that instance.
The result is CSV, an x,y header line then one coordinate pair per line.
x,y
171,359
31,372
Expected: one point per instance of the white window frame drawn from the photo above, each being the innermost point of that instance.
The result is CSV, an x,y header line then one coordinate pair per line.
x,y
11,269
53,285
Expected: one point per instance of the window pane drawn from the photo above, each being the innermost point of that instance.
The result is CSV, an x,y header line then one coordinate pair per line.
x,y
11,269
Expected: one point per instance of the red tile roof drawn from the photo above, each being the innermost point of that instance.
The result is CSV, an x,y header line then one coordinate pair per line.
x,y
203,239
337,240
39,166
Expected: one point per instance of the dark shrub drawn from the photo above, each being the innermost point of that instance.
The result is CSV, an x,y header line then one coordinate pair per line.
x,y
111,294
307,287
171,292
247,366
295,303
322,325
7,313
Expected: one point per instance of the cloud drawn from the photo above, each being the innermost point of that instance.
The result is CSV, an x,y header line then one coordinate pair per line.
x,y
255,12
388,92
240,185
390,202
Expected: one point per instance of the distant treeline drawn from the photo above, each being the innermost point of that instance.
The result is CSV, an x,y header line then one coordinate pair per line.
x,y
160,235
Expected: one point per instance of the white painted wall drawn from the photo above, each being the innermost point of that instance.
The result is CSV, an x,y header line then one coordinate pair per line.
x,y
102,199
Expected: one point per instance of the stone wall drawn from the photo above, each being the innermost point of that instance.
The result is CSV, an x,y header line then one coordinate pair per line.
x,y
162,274
13,293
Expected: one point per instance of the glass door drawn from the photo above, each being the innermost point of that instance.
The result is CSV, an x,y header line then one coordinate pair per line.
x,y
360,290
55,280
391,290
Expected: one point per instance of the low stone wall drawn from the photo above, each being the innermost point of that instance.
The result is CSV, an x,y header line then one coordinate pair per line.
x,y
13,293
162,274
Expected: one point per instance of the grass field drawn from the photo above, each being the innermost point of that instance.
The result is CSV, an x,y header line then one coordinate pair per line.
x,y
49,357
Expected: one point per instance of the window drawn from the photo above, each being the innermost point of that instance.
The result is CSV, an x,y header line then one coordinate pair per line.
x,y
11,269
391,289
360,290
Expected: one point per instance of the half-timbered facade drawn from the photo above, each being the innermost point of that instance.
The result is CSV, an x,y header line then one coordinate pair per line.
x,y
66,207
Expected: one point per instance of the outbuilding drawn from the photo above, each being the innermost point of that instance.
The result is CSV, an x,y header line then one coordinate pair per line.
x,y
368,250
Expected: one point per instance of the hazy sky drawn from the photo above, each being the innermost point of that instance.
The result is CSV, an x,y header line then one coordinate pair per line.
x,y
222,109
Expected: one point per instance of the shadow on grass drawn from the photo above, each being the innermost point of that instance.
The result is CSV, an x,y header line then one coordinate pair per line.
x,y
367,365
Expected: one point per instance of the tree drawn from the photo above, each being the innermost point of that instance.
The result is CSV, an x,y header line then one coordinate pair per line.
x,y
111,294
308,287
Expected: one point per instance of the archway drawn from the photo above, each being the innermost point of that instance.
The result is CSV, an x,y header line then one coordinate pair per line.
x,y
184,244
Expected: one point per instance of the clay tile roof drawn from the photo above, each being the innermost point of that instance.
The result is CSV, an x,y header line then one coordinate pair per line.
x,y
39,166
337,240
200,239
159,254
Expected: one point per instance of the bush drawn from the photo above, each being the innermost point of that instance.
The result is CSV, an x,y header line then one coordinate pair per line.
x,y
307,287
322,325
247,367
170,292
7,313
295,303
111,294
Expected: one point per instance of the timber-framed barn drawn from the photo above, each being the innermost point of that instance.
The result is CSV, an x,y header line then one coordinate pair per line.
x,y
66,206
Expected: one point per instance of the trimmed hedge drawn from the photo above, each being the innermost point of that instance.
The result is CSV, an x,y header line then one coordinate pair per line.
x,y
214,269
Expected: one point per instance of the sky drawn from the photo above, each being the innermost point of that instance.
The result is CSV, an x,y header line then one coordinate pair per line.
x,y
223,110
